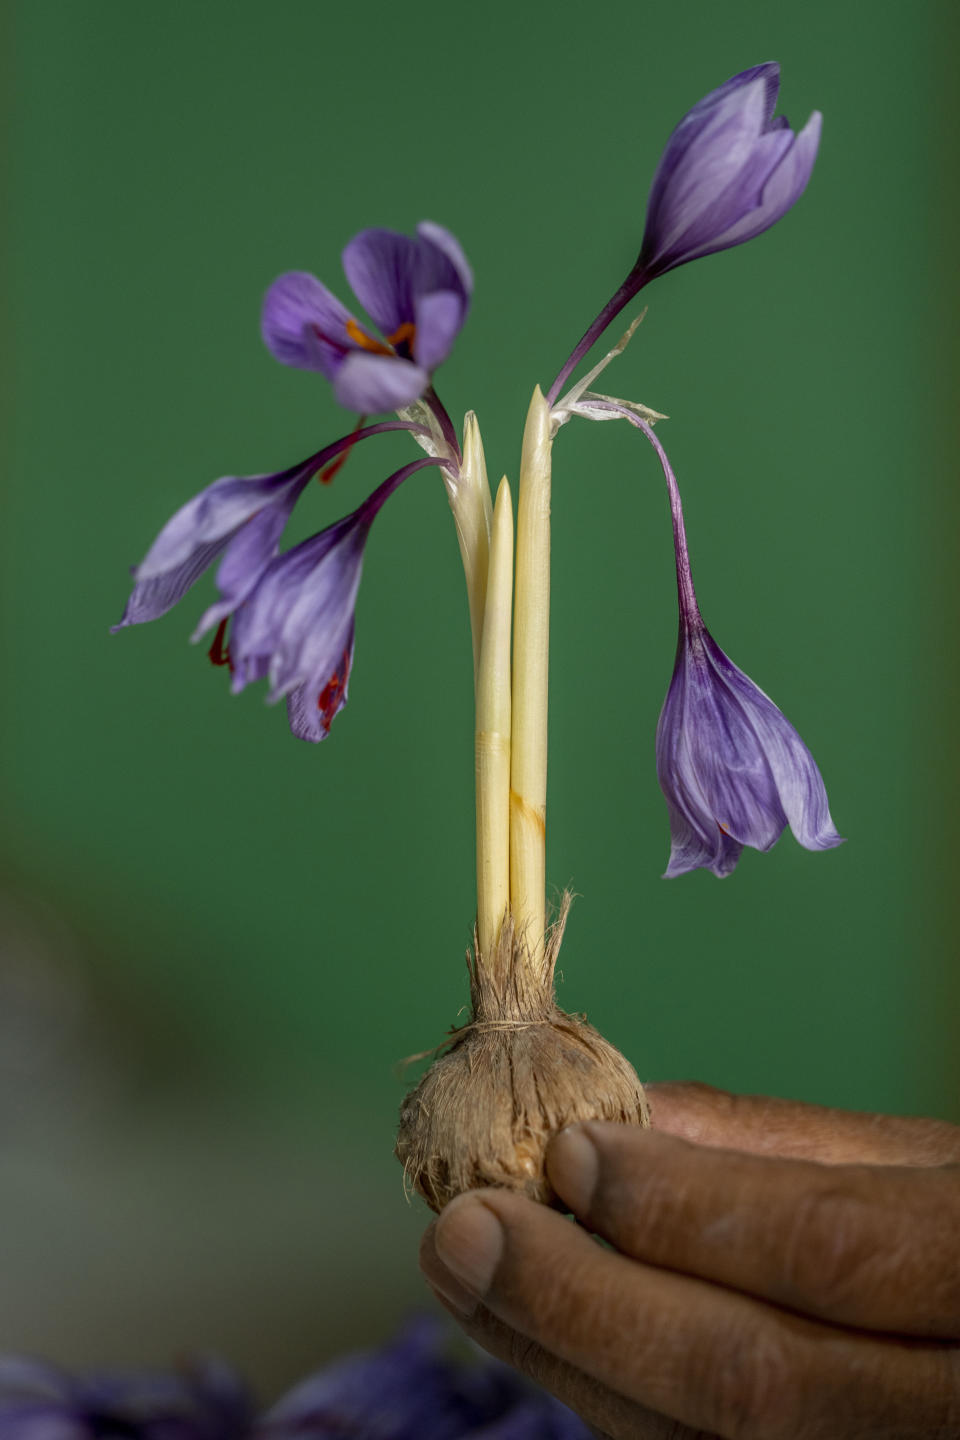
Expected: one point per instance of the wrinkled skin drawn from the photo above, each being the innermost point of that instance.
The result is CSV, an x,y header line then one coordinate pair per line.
x,y
778,1271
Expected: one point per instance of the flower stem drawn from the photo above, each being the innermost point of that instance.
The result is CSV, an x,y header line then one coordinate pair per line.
x,y
447,427
493,733
610,311
531,640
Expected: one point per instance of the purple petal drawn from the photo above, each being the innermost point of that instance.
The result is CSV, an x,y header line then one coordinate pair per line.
x,y
200,531
244,561
304,324
317,629
259,625
798,783
734,206
389,272
442,239
732,768
310,711
728,172
439,318
369,383
381,266
782,188
705,151
297,625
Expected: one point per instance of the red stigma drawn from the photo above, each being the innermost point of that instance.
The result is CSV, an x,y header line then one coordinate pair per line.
x,y
219,653
331,696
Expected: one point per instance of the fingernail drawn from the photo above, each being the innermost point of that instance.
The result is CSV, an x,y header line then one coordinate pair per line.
x,y
572,1166
469,1241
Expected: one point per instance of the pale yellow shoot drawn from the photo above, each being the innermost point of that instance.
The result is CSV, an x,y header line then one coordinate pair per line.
x,y
469,497
531,639
493,733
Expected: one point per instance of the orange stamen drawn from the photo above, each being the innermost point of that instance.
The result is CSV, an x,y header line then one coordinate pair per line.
x,y
365,341
406,332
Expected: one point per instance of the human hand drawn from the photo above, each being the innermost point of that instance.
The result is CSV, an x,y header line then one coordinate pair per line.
x,y
785,1272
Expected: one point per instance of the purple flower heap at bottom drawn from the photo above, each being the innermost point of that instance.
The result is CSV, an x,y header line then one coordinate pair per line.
x,y
410,1389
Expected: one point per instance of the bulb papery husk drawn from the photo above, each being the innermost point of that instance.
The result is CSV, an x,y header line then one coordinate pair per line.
x,y
512,1077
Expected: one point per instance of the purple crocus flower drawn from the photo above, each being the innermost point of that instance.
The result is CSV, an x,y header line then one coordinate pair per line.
x,y
417,291
40,1402
729,171
293,613
732,769
296,625
412,1389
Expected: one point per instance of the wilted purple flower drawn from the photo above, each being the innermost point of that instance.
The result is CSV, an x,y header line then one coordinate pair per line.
x,y
729,171
295,611
416,289
732,768
39,1402
240,517
412,1389
296,626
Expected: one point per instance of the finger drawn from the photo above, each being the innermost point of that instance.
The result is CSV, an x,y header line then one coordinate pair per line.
x,y
610,1413
710,1358
766,1125
866,1246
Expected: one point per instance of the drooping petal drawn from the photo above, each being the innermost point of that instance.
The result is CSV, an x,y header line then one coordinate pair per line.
x,y
370,384
201,530
309,713
241,515
258,626
297,626
305,325
801,792
732,768
244,561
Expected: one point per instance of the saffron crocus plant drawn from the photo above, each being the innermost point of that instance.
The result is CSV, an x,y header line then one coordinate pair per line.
x,y
733,771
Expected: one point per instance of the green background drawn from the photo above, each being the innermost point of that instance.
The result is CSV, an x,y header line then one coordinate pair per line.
x,y
217,942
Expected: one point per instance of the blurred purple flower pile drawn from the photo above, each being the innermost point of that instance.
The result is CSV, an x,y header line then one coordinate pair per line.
x,y
411,1389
